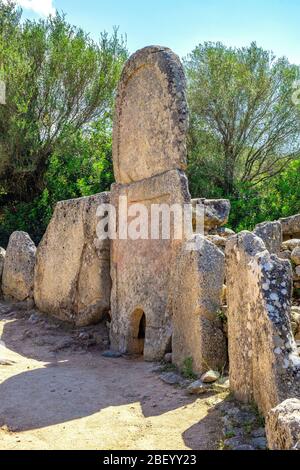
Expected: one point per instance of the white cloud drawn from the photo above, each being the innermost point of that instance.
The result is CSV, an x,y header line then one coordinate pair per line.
x,y
41,7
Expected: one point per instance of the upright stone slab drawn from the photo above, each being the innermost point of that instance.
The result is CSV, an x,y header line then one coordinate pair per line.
x,y
151,117
271,235
72,274
263,358
197,330
17,278
142,271
149,155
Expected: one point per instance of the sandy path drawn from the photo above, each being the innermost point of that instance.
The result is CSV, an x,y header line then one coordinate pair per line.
x,y
77,399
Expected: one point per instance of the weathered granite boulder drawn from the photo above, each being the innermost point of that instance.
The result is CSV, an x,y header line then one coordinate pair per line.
x,y
209,214
291,244
283,426
263,357
151,117
72,274
197,330
291,226
271,234
17,277
295,318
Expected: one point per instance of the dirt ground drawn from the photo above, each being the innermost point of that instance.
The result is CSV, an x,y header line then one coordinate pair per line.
x,y
57,391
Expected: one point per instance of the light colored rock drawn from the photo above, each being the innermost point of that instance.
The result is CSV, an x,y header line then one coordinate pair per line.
x,y
220,242
151,117
297,273
263,358
198,388
291,225
286,254
2,259
225,232
271,235
142,272
222,384
283,426
209,214
17,277
168,358
291,244
224,295
295,317
72,274
210,377
296,255
197,330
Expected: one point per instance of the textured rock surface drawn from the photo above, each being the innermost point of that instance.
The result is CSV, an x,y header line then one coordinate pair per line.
x,y
296,255
210,376
271,235
2,259
291,226
197,331
264,363
210,213
142,272
72,275
149,154
291,244
283,426
295,318
17,278
151,117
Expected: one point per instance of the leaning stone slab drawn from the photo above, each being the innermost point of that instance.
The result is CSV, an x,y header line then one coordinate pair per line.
x,y
264,363
271,235
17,278
151,117
283,426
197,330
72,274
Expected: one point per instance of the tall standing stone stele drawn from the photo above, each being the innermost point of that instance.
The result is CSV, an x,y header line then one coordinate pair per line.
x,y
149,155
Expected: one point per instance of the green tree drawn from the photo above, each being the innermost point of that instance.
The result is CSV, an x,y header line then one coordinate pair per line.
x,y
244,125
59,82
81,169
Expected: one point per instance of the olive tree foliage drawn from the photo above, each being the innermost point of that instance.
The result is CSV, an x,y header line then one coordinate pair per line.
x,y
244,124
58,81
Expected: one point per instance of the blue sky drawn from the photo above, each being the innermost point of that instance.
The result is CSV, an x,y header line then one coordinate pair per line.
x,y
182,24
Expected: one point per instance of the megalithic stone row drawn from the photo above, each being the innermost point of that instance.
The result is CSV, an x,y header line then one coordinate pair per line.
x,y
263,357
